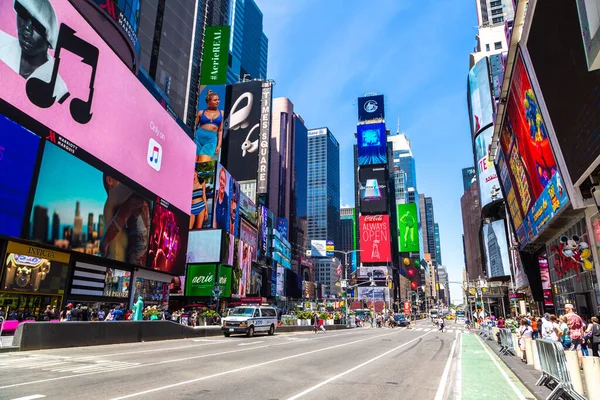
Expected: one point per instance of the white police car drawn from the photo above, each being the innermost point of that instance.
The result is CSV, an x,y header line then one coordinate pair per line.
x,y
249,320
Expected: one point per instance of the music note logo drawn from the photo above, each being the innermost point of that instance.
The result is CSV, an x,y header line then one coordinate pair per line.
x,y
154,157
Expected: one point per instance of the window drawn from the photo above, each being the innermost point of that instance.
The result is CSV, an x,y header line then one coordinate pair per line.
x,y
498,45
487,47
268,312
496,3
497,11
498,20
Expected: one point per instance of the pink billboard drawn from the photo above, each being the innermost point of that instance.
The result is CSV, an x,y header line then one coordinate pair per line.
x,y
56,69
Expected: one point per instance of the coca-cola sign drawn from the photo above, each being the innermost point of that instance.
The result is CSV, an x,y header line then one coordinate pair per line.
x,y
200,280
375,238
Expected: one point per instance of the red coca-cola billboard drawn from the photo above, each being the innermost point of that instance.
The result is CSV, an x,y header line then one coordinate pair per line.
x,y
375,238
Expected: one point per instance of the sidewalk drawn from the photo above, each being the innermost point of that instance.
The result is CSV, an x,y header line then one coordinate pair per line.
x,y
485,376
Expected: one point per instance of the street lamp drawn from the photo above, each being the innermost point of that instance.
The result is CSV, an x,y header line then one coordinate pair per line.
x,y
345,280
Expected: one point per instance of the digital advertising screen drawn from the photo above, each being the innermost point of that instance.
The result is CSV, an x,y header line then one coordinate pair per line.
x,y
408,227
318,248
242,133
248,234
572,103
480,96
282,227
200,280
226,213
376,273
546,281
209,123
227,248
517,218
18,155
247,208
32,269
76,86
377,293
204,246
373,189
168,239
532,168
245,263
370,108
203,193
375,238
280,282
177,286
372,144
151,291
79,207
215,55
225,276
489,185
496,249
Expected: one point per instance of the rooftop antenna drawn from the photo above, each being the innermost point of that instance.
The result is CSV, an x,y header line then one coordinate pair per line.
x,y
398,130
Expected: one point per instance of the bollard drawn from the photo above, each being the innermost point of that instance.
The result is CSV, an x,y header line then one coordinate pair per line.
x,y
536,357
516,346
529,351
591,372
574,373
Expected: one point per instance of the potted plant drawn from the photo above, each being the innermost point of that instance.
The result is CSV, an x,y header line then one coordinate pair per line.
x,y
337,319
210,317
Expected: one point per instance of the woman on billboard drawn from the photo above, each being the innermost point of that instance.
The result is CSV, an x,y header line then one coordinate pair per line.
x,y
209,129
199,210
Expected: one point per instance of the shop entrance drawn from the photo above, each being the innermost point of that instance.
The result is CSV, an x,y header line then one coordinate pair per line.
x,y
23,307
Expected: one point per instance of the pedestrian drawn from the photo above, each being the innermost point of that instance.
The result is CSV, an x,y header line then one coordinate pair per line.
x,y
441,324
594,336
534,326
525,332
575,324
316,322
76,313
563,332
48,313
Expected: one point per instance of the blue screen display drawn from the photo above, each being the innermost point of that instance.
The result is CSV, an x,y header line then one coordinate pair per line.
x,y
18,153
372,143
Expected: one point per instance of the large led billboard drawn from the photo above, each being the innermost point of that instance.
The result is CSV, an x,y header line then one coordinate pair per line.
x,y
377,293
496,249
16,172
226,213
200,280
546,281
372,144
203,193
215,54
242,129
204,246
318,248
539,189
375,238
370,108
373,189
408,228
209,123
489,186
79,88
479,96
570,90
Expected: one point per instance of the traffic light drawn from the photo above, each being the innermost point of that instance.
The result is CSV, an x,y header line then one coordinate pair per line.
x,y
413,273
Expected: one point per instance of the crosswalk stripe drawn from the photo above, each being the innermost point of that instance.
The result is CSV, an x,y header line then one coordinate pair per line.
x,y
419,329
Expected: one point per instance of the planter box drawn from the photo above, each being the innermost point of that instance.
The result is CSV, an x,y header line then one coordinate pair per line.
x,y
303,322
329,322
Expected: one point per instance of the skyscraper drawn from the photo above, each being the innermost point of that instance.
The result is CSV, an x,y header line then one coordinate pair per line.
x,y
494,12
494,253
40,224
405,161
249,45
299,199
90,227
100,226
471,215
323,185
55,226
280,154
430,226
438,246
78,236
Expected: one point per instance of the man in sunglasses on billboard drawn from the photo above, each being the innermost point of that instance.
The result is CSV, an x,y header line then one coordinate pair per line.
x,y
37,31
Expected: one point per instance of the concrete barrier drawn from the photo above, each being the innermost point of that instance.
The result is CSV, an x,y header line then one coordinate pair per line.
x,y
591,372
573,367
529,351
47,335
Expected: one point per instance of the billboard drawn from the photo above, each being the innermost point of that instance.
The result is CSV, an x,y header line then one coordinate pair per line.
x,y
247,208
200,280
408,228
496,249
546,281
209,123
215,55
377,293
168,239
203,193
516,215
242,129
373,183
204,246
16,173
372,144
468,175
489,186
177,286
370,108
572,103
225,275
318,248
330,248
245,263
480,96
377,273
282,227
539,190
375,238
227,193
280,282
264,230
248,234
265,138
84,99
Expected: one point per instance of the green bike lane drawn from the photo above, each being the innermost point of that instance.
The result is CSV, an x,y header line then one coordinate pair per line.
x,y
483,375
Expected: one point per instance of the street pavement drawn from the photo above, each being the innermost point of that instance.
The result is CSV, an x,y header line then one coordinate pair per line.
x,y
383,363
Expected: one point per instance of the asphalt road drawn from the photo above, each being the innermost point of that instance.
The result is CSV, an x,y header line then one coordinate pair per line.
x,y
348,364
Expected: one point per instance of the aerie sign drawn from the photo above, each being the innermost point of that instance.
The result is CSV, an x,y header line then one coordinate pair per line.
x,y
203,279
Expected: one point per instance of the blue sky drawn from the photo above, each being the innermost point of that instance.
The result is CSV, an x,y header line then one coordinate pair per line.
x,y
324,54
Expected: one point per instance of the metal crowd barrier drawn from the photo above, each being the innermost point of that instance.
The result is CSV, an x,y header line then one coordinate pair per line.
x,y
506,342
555,374
485,331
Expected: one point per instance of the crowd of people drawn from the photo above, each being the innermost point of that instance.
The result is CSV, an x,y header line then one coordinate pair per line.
x,y
572,331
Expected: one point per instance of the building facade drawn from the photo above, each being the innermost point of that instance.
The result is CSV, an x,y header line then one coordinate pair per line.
x,y
280,154
471,216
299,198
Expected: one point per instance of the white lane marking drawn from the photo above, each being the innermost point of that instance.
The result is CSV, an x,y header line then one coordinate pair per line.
x,y
450,331
419,329
251,343
180,359
504,374
145,351
209,340
311,389
32,397
458,375
442,387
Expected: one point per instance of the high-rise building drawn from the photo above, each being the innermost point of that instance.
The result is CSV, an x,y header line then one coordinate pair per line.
x,y
438,245
249,45
346,229
40,224
405,161
400,189
78,235
90,227
326,275
468,175
280,155
494,12
210,13
443,286
323,185
430,227
100,225
471,216
494,253
55,226
166,31
299,198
